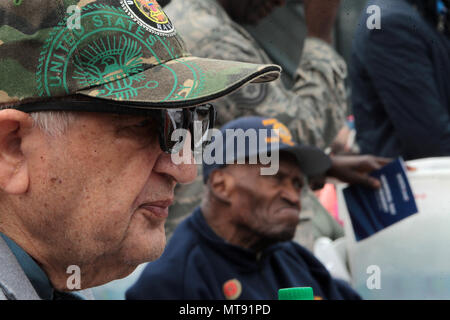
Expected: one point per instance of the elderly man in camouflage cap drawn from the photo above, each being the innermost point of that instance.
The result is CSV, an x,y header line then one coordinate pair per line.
x,y
90,92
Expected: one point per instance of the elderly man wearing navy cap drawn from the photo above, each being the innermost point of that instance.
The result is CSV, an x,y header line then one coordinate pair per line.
x,y
237,244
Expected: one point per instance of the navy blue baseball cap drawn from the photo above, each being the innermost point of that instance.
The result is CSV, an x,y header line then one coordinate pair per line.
x,y
238,143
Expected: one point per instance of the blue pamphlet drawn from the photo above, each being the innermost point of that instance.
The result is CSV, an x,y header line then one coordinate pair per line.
x,y
372,210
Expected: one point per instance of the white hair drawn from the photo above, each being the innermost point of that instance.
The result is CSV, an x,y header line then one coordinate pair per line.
x,y
53,123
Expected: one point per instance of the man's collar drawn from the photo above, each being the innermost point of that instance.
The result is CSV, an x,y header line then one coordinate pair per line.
x,y
34,273
246,258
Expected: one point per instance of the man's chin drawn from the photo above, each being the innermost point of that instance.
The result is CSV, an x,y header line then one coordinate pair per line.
x,y
285,235
145,249
288,236
155,247
138,256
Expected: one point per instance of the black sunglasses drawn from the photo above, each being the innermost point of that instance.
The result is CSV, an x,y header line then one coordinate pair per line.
x,y
197,120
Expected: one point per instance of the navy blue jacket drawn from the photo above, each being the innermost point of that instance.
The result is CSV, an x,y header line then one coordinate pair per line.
x,y
197,263
401,85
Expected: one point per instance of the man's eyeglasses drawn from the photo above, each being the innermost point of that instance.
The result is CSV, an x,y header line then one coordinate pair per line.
x,y
196,120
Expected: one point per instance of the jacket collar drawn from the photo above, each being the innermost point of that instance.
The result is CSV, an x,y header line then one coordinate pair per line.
x,y
14,284
21,278
33,272
245,258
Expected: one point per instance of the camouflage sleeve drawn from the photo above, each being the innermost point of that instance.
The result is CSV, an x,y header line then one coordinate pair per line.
x,y
321,85
314,109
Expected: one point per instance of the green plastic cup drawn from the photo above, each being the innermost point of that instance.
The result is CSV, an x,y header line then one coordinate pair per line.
x,y
300,293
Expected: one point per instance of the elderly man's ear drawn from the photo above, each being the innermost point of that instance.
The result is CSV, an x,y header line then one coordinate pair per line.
x,y
14,177
221,184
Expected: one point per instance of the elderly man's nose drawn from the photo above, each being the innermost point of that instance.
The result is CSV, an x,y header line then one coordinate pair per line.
x,y
184,172
291,194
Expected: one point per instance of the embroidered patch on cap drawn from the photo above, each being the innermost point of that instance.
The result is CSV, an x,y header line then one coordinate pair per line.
x,y
283,132
149,14
232,289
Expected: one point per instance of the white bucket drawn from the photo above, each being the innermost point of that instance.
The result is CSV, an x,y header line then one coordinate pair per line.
x,y
410,259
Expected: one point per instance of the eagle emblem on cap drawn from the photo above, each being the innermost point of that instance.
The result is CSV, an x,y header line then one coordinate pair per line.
x,y
111,59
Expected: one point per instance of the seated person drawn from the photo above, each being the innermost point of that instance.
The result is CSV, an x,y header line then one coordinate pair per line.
x,y
237,244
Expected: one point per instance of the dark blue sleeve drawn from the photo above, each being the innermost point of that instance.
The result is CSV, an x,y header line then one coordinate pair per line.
x,y
157,282
186,275
330,288
400,63
346,291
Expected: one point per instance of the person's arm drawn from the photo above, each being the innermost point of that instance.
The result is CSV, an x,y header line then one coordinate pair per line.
x,y
347,292
320,88
320,17
321,76
399,60
314,109
355,169
352,169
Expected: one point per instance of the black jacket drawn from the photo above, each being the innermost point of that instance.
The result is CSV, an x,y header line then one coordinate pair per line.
x,y
197,263
401,84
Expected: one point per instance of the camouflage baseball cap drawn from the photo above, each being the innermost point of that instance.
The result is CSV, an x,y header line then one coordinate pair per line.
x,y
120,50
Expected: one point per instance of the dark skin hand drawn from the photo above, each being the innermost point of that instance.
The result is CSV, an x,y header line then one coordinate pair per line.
x,y
320,17
250,11
352,169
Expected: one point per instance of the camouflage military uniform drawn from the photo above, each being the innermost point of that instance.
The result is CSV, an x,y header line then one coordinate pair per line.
x,y
314,109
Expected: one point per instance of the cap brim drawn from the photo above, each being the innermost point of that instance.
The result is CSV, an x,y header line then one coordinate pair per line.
x,y
312,161
183,82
